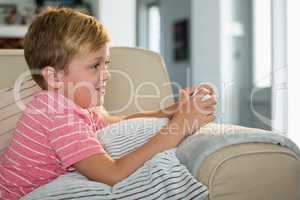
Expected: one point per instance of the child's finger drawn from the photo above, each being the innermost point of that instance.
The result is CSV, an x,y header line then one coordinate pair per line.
x,y
210,118
206,110
184,95
210,87
209,102
190,90
201,92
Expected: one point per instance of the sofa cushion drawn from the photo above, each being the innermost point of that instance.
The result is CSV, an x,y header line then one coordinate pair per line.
x,y
11,106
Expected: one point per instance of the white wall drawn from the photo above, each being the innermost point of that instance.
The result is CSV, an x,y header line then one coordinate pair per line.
x,y
119,17
171,12
226,65
206,43
222,55
293,70
230,103
279,62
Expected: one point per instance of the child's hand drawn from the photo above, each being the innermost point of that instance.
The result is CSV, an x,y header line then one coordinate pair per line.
x,y
195,89
194,112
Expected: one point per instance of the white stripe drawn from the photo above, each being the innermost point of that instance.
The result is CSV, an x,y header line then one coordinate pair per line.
x,y
38,110
63,147
54,158
48,106
58,102
7,181
74,153
9,190
45,127
28,148
16,175
70,105
63,136
64,116
22,191
17,168
50,172
29,138
4,177
34,130
67,124
11,160
55,101
4,198
25,157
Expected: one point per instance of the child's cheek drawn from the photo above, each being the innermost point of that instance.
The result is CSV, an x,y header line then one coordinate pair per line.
x,y
83,97
87,97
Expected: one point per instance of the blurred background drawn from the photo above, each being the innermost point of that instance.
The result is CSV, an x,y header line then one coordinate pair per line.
x,y
240,46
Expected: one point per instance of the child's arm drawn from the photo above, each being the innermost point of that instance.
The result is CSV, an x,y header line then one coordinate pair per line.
x,y
165,112
102,168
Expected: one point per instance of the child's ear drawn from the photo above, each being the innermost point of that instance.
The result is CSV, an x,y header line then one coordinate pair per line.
x,y
51,77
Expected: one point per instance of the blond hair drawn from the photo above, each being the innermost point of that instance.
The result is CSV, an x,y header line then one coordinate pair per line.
x,y
56,36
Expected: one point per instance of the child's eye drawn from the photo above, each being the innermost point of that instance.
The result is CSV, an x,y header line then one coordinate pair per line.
x,y
95,66
107,62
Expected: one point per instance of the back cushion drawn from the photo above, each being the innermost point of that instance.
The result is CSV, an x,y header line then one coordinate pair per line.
x,y
11,106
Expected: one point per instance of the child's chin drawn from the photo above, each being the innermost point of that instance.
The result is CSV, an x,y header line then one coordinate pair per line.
x,y
89,104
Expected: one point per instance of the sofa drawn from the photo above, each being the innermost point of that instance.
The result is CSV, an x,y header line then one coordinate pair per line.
x,y
249,171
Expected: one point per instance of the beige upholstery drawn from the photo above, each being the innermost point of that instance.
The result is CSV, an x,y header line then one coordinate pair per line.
x,y
252,171
12,64
249,171
10,112
242,172
139,82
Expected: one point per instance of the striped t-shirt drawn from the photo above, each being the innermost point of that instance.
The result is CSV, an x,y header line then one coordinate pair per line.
x,y
52,134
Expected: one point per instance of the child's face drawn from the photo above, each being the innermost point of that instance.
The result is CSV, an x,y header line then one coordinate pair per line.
x,y
86,78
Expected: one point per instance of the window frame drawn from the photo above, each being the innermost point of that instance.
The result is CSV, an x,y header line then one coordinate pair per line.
x,y
142,22
261,78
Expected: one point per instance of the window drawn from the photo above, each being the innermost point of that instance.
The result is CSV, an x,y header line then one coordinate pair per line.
x,y
293,16
262,73
154,28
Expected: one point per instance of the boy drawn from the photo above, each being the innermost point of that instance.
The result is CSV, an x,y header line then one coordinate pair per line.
x,y
68,53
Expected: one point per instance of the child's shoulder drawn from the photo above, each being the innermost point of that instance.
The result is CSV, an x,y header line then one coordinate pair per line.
x,y
52,104
48,109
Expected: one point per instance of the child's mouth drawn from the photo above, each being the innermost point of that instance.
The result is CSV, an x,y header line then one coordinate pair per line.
x,y
101,89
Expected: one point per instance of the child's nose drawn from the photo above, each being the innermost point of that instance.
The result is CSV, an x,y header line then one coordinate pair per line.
x,y
105,75
108,75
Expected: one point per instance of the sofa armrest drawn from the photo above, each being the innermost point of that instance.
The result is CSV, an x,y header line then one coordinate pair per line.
x,y
252,171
